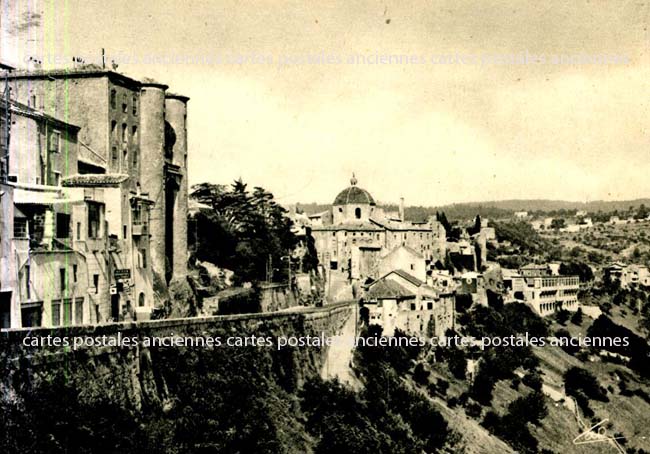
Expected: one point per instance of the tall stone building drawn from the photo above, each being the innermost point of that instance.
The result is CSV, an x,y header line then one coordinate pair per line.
x,y
355,234
130,158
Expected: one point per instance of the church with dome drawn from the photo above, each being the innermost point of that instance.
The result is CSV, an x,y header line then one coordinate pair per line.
x,y
355,234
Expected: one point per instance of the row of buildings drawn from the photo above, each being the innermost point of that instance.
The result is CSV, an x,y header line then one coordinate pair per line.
x,y
627,275
408,275
386,260
93,188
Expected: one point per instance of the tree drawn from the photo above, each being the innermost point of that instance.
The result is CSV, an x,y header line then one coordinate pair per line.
x,y
578,381
577,268
457,363
558,223
529,408
562,316
242,230
576,318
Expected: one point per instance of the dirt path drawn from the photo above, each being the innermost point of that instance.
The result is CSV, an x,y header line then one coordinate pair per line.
x,y
338,363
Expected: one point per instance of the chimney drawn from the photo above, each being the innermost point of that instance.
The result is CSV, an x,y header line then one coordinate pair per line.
x,y
401,209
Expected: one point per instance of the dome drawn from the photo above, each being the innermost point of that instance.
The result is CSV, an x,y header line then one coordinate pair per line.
x,y
354,194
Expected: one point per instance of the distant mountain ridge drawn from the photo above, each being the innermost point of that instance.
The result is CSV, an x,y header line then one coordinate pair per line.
x,y
498,208
554,205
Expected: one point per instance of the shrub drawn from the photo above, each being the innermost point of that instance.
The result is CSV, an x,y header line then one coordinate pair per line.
x,y
580,381
576,318
533,380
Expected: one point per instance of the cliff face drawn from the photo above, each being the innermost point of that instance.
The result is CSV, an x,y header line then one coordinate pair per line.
x,y
145,378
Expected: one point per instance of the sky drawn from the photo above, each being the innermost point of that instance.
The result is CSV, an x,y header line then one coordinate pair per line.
x,y
480,101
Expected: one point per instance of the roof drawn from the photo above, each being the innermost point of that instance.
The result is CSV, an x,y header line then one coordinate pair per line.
x,y
616,265
74,73
533,266
40,195
351,227
385,288
510,273
409,277
27,111
89,156
353,194
94,179
182,98
402,226
408,249
142,198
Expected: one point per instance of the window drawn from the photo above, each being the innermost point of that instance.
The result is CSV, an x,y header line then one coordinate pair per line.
x,y
28,277
96,283
79,311
412,306
125,160
57,178
141,300
135,105
134,134
113,129
113,98
93,220
114,155
125,134
32,101
4,134
412,267
74,273
67,312
78,230
20,227
357,213
55,142
56,313
143,258
62,225
62,280
124,105
430,306
124,231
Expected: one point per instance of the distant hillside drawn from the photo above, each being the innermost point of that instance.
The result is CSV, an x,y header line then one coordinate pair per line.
x,y
554,205
498,208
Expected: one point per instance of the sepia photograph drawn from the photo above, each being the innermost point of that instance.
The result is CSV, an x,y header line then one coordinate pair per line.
x,y
346,227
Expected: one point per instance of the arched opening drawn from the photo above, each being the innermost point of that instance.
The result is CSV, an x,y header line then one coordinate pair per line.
x,y
141,300
357,213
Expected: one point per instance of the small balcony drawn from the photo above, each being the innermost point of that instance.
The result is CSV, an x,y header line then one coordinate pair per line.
x,y
139,229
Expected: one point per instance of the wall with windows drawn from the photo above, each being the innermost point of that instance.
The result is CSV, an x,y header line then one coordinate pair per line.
x,y
9,301
41,152
53,287
124,142
80,101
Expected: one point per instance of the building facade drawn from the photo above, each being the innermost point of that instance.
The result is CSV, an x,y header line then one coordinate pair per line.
x,y
355,234
545,291
401,301
97,170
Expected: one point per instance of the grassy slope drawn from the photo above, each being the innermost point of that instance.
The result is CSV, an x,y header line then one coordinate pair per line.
x,y
630,415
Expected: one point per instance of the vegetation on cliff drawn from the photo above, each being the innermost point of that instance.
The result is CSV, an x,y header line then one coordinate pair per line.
x,y
241,230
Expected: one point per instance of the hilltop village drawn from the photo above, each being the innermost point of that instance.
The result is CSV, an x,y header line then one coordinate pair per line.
x,y
102,235
97,216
